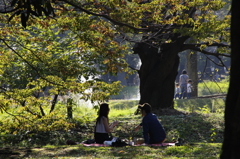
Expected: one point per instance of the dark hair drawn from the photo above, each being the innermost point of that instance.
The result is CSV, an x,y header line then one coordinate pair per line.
x,y
103,111
145,106
184,72
189,80
176,84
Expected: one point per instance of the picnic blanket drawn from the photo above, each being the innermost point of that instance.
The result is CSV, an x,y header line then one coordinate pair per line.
x,y
102,145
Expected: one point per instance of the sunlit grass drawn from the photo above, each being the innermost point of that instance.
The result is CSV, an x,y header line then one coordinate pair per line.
x,y
120,113
197,150
209,87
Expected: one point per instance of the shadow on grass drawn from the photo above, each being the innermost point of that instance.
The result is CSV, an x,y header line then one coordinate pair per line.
x,y
80,151
201,150
194,127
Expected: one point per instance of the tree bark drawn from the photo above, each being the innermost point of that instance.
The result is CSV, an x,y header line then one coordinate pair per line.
x,y
158,73
231,143
192,71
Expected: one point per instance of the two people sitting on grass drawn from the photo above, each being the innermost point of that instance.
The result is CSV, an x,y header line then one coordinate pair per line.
x,y
153,131
103,128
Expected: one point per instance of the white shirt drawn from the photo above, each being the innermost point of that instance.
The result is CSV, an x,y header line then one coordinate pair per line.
x,y
177,90
189,88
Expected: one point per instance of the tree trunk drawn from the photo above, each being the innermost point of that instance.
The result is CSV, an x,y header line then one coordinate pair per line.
x,y
231,143
158,73
69,108
192,71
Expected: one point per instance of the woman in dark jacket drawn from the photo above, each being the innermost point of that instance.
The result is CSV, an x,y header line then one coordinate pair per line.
x,y
153,131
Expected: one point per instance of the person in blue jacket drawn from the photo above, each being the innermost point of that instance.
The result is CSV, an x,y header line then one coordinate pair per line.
x,y
153,131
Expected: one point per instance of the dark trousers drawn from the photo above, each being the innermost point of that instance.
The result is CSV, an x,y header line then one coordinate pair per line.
x,y
189,95
101,137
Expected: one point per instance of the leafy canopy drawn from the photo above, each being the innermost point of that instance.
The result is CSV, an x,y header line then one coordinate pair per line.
x,y
48,59
64,43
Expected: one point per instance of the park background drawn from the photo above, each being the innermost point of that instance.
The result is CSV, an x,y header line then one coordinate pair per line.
x,y
25,123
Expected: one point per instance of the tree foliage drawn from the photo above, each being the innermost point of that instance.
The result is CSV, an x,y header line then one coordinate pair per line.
x,y
48,59
160,22
65,39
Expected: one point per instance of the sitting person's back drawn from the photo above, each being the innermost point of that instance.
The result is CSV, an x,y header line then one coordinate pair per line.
x,y
101,134
153,131
102,127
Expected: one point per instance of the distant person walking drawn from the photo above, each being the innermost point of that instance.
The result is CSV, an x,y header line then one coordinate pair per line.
x,y
183,84
189,89
177,91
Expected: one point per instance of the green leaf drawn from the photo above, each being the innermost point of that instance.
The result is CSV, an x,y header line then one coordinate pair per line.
x,y
14,14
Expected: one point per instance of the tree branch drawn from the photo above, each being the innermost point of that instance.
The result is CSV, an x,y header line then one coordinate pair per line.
x,y
195,48
215,62
208,44
54,102
104,16
28,63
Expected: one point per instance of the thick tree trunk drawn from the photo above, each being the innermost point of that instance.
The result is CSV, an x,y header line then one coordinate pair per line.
x,y
192,71
231,143
158,73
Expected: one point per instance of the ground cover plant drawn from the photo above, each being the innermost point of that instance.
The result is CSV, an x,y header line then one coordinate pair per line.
x,y
202,132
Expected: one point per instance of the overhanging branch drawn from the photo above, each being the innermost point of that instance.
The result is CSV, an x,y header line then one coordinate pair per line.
x,y
35,69
208,44
195,47
221,65
104,16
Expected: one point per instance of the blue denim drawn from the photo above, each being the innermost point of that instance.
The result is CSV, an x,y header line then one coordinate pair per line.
x,y
183,91
177,95
188,95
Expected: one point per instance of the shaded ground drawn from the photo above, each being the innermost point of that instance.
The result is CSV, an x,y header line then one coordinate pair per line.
x,y
170,112
8,153
198,150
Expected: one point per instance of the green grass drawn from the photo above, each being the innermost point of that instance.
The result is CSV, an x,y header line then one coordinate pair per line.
x,y
201,127
208,88
197,150
200,105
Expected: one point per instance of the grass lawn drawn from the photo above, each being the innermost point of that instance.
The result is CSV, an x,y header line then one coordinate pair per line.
x,y
196,150
201,126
